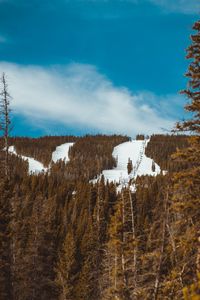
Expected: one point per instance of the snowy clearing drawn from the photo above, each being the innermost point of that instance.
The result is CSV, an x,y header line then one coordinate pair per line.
x,y
62,152
142,165
35,167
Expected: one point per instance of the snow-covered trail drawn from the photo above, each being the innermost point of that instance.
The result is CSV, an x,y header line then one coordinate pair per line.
x,y
34,166
142,165
62,152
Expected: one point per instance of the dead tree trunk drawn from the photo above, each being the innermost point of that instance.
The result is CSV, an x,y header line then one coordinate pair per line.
x,y
163,237
123,241
198,255
134,239
5,119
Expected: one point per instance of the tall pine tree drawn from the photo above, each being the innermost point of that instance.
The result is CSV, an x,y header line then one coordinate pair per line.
x,y
186,192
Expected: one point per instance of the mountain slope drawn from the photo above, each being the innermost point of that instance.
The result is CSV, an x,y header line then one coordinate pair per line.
x,y
35,166
133,151
62,152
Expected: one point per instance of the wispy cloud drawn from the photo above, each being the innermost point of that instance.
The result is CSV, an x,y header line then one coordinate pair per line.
x,y
78,95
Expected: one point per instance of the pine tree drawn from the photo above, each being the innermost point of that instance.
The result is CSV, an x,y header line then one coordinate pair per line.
x,y
186,192
65,267
153,167
129,166
120,259
6,278
193,90
115,283
192,292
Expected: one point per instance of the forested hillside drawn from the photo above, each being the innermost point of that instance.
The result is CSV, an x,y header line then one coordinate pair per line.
x,y
64,236
40,148
161,148
89,156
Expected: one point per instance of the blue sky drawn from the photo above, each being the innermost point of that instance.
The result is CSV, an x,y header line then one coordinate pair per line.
x,y
88,66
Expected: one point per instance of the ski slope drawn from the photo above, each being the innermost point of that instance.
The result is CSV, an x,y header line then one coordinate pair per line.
x,y
142,165
62,152
133,150
35,167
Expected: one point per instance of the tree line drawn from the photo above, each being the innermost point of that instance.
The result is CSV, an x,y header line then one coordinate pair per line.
x,y
62,237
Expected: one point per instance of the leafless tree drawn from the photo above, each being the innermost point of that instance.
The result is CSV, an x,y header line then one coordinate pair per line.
x,y
5,122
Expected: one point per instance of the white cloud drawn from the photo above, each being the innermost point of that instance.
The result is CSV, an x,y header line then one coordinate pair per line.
x,y
78,95
182,6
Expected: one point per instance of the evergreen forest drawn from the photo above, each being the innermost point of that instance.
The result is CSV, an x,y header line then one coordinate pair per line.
x,y
64,236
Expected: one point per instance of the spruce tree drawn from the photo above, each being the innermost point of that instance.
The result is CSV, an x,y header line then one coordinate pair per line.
x,y
65,267
129,166
186,192
193,90
6,278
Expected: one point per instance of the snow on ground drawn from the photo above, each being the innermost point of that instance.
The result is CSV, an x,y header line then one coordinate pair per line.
x,y
133,150
35,166
62,152
142,165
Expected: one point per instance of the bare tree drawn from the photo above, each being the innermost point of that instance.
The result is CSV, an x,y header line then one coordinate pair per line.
x,y
5,122
163,238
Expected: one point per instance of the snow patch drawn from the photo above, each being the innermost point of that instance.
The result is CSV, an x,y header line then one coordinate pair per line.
x,y
35,167
142,165
62,152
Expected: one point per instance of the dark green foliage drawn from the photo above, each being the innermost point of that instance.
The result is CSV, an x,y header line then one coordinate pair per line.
x,y
161,147
129,166
6,259
186,183
40,148
88,157
140,137
64,238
